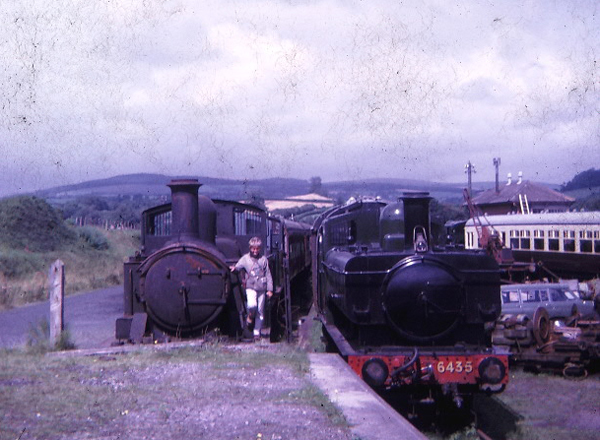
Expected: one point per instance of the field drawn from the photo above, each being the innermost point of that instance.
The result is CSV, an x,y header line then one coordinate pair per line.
x,y
553,407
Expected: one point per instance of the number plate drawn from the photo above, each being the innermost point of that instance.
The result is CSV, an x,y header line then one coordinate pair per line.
x,y
452,366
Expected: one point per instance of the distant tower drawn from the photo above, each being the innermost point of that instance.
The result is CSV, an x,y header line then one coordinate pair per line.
x,y
469,169
497,166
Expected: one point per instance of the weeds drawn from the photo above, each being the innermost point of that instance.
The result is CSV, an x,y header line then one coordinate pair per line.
x,y
38,339
93,238
313,396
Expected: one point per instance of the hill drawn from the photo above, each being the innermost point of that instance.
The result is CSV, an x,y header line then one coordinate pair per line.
x,y
154,186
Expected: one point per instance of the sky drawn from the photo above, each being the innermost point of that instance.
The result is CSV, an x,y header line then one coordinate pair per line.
x,y
340,89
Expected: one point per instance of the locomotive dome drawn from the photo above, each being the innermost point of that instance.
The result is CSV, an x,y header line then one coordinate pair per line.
x,y
391,226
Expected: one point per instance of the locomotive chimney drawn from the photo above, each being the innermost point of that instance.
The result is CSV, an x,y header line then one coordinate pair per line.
x,y
416,213
184,207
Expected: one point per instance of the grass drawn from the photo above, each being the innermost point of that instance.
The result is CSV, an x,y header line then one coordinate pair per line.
x,y
60,397
93,261
545,402
38,339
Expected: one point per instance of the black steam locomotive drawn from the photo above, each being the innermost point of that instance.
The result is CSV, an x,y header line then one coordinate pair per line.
x,y
404,314
179,283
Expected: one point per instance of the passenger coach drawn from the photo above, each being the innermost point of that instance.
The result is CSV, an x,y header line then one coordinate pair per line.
x,y
565,243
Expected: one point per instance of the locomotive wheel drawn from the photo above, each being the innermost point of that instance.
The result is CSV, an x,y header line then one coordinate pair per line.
x,y
541,326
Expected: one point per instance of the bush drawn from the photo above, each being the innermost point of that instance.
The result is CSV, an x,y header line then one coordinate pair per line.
x,y
17,264
30,223
94,238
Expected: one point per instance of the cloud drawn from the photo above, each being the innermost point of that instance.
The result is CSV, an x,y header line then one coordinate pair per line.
x,y
296,88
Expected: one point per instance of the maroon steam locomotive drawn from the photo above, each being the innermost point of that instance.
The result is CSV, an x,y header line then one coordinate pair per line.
x,y
179,283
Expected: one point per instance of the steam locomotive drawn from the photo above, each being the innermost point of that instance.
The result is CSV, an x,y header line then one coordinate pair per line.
x,y
404,314
179,284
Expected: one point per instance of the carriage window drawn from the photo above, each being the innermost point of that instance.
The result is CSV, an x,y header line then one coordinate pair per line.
x,y
553,244
538,244
569,245
586,246
247,222
597,246
514,243
273,234
525,243
544,295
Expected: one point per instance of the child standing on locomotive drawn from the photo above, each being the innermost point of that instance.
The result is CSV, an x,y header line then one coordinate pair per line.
x,y
258,283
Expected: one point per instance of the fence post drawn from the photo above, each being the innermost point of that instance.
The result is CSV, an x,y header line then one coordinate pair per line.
x,y
56,278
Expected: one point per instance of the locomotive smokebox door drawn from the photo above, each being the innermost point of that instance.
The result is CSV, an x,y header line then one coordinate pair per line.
x,y
422,299
185,289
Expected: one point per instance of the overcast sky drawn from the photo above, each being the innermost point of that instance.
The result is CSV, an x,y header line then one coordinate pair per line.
x,y
339,89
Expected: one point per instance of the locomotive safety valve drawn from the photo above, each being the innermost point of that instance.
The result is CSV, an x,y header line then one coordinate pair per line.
x,y
420,240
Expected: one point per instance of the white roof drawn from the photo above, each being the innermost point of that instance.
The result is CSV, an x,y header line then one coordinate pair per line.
x,y
307,199
552,218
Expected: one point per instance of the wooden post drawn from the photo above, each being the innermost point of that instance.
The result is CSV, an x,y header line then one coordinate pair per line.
x,y
56,281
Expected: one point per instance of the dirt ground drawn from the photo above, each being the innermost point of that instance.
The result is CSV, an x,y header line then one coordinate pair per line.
x,y
240,393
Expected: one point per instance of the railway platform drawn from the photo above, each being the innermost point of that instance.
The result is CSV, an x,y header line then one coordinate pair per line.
x,y
369,416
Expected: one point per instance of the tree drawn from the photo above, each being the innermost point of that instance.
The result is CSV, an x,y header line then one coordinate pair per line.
x,y
316,186
586,179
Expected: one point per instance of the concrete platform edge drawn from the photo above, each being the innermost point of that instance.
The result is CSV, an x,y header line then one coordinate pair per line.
x,y
370,417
